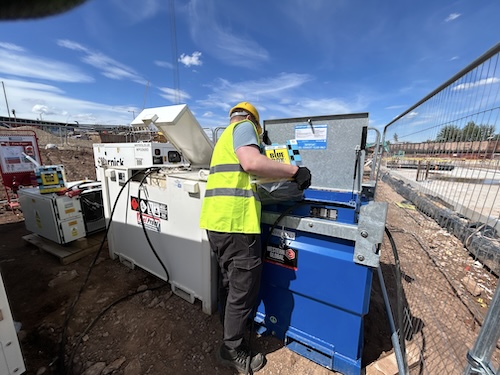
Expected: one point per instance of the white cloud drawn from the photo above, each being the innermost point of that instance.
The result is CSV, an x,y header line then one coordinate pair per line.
x,y
71,45
28,98
139,10
452,17
278,95
396,106
109,67
41,108
267,87
193,60
174,96
481,82
321,106
11,47
16,61
163,64
31,86
222,42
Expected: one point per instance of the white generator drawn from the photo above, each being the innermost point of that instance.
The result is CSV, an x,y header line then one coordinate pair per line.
x,y
153,214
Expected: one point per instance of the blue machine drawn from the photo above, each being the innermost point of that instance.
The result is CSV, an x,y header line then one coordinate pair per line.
x,y
320,253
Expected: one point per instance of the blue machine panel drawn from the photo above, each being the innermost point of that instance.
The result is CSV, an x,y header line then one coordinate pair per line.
x,y
313,296
314,291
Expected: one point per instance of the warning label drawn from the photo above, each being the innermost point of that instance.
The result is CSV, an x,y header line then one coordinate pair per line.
x,y
286,256
150,222
154,209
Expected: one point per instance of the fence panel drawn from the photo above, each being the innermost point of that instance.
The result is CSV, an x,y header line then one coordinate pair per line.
x,y
442,160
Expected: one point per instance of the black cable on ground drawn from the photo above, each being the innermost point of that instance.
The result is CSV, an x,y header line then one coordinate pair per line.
x,y
61,364
94,321
399,294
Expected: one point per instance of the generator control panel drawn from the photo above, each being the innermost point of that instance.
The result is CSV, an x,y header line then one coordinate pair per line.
x,y
144,154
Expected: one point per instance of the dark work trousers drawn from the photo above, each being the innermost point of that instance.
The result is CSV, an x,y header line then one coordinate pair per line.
x,y
240,268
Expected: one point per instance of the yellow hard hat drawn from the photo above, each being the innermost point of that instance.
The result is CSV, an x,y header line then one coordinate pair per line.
x,y
247,107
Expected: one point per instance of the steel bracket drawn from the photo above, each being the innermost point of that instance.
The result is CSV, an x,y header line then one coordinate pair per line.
x,y
370,233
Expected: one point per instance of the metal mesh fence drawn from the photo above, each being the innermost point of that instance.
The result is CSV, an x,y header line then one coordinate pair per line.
x,y
56,136
442,160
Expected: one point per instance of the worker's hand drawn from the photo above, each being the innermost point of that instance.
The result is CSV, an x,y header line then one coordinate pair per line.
x,y
303,178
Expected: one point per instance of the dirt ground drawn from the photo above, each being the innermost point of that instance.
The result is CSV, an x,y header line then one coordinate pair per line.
x,y
127,322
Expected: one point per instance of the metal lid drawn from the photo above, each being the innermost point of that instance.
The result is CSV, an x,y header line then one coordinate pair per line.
x,y
181,128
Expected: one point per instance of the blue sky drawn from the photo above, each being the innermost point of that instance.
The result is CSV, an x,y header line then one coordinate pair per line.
x,y
104,61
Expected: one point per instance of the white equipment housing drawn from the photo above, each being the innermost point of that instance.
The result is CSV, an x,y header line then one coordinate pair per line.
x,y
58,218
165,207
11,358
61,218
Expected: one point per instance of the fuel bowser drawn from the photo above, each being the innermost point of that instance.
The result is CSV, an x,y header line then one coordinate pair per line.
x,y
153,211
319,252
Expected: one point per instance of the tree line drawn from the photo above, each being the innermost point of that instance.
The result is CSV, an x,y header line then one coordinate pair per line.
x,y
471,132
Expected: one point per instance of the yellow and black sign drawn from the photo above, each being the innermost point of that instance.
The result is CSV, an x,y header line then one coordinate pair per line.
x,y
278,154
49,178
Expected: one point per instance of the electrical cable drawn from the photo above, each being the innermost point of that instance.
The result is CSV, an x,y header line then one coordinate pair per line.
x,y
61,365
79,185
399,294
94,321
149,172
144,227
283,214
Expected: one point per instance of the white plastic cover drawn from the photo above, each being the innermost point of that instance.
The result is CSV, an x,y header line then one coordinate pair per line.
x,y
181,128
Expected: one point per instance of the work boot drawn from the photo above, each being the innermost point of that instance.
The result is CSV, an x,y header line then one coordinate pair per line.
x,y
237,358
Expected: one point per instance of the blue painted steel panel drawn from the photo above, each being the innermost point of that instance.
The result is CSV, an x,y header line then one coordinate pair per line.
x,y
316,302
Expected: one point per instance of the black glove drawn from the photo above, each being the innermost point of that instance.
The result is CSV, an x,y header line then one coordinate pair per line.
x,y
303,178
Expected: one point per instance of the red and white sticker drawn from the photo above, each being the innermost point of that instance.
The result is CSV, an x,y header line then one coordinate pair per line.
x,y
150,222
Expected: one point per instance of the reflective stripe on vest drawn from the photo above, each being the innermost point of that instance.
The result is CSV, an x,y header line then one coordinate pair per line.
x,y
227,168
227,192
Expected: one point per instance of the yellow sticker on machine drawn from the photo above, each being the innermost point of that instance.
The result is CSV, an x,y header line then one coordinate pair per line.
x,y
49,178
278,154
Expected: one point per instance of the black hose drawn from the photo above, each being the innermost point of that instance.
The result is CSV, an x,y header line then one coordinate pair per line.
x,y
61,365
149,172
94,321
144,227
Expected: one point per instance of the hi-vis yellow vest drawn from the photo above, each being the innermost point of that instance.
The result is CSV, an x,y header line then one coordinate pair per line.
x,y
231,203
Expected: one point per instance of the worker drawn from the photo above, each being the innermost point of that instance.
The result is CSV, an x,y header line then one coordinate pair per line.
x,y
231,214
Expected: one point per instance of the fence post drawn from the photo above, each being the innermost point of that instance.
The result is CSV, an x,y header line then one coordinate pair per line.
x,y
480,355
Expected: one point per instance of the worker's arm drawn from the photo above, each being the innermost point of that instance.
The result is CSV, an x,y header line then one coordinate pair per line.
x,y
255,163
